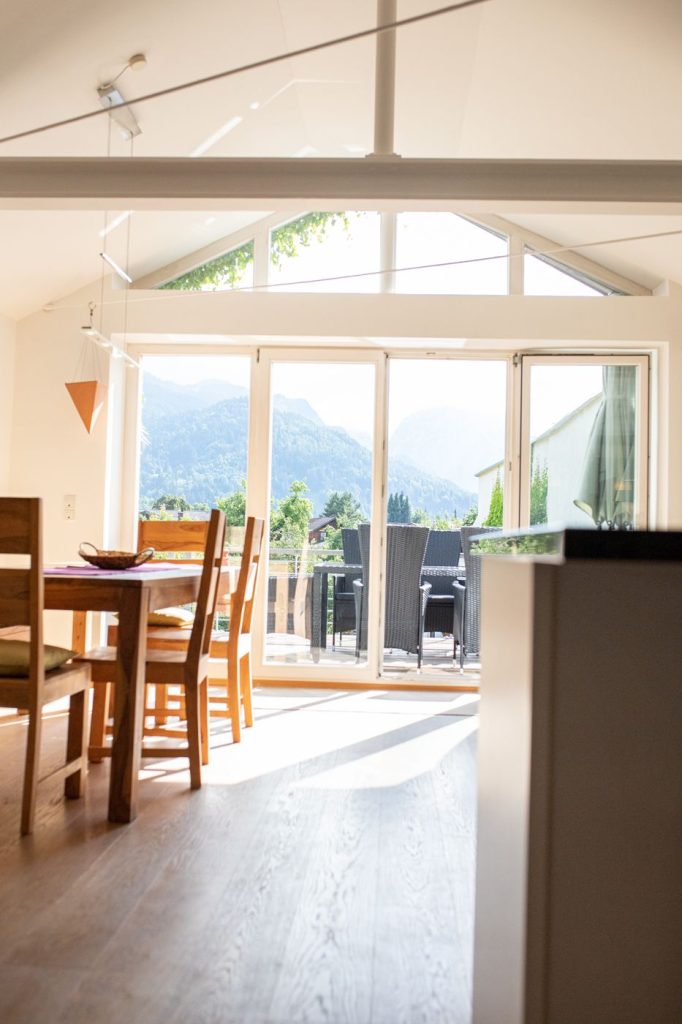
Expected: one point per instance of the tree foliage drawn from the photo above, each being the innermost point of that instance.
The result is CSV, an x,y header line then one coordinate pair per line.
x,y
470,516
539,485
171,503
286,240
344,507
399,509
223,272
234,506
496,509
290,517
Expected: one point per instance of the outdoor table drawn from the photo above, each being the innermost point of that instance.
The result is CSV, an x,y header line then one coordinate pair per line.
x,y
321,573
132,594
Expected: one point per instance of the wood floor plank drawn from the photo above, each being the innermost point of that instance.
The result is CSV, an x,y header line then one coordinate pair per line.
x,y
323,873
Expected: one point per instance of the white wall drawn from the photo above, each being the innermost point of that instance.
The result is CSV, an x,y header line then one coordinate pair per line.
x,y
563,452
7,356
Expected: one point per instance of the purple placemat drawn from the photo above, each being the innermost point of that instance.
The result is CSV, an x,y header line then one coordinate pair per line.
x,y
92,570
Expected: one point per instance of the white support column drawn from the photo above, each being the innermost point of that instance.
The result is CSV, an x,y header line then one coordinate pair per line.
x,y
384,81
389,222
384,128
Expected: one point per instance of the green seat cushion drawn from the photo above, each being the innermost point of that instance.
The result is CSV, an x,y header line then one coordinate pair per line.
x,y
15,657
176,617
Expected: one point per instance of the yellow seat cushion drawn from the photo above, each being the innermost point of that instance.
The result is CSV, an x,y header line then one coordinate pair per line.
x,y
15,657
175,617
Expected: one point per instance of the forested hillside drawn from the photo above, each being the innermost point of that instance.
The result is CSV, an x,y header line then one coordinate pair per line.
x,y
200,453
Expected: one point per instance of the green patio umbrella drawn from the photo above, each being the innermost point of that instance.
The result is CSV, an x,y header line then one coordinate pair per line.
x,y
607,487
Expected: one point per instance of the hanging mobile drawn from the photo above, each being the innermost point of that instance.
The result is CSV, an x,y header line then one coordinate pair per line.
x,y
88,389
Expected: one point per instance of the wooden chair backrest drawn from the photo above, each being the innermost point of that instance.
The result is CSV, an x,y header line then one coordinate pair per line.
x,y
174,536
241,610
200,637
22,590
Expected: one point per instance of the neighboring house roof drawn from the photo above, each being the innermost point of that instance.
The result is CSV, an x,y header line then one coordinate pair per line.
x,y
320,523
554,429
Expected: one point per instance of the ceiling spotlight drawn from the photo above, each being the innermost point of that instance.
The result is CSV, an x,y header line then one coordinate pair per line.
x,y
112,100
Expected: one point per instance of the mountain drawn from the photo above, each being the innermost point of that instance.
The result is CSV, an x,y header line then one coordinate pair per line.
x,y
162,395
201,455
450,443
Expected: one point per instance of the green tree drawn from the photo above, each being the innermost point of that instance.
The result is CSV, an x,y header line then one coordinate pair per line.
x,y
399,510
421,518
286,240
223,272
496,509
539,484
344,507
171,503
470,516
290,517
234,506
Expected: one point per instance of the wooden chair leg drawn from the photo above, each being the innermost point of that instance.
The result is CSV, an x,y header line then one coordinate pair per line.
x,y
101,702
233,700
28,802
160,699
203,702
245,687
193,735
76,743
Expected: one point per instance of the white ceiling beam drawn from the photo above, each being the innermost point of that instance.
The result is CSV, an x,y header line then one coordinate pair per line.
x,y
609,186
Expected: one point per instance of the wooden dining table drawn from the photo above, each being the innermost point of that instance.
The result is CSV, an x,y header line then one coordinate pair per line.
x,y
132,594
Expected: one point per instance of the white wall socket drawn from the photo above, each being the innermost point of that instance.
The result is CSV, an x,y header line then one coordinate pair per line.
x,y
69,506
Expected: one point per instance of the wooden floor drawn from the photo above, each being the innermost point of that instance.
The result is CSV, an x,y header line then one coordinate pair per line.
x,y
324,873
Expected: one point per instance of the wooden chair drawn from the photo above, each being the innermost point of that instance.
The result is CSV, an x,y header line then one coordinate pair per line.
x,y
21,604
169,538
234,647
186,668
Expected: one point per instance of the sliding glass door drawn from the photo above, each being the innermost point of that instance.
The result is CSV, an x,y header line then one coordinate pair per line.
x,y
447,439
373,470
322,428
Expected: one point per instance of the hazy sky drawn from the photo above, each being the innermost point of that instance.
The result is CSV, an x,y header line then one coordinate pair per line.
x,y
342,394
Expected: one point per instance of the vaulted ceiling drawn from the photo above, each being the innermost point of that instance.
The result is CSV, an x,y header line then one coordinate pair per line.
x,y
508,78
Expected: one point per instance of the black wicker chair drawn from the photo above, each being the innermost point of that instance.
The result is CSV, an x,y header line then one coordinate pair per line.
x,y
467,593
406,596
343,598
443,548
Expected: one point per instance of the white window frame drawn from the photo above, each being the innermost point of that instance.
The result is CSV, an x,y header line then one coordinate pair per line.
x,y
642,429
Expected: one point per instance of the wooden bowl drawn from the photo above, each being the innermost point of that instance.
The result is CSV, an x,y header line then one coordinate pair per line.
x,y
114,559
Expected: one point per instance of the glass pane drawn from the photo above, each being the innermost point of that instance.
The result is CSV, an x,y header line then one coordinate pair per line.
x,y
232,270
583,445
541,278
326,246
195,415
445,474
428,238
321,490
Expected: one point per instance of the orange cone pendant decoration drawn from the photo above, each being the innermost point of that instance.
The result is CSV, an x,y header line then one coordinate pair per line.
x,y
89,397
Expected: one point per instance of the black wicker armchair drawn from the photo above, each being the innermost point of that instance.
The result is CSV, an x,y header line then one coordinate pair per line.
x,y
406,596
468,597
443,549
343,598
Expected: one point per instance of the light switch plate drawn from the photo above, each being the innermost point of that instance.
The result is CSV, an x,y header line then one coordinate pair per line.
x,y
69,506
